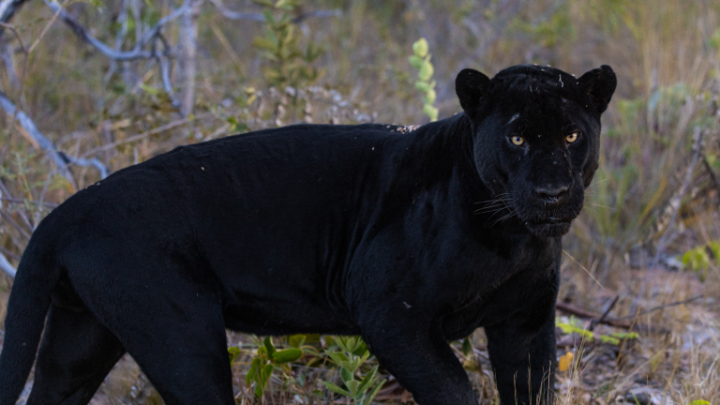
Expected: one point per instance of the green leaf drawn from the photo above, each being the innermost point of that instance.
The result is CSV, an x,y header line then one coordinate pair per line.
x,y
368,380
699,402
426,71
420,47
253,370
269,17
422,86
466,346
149,90
234,352
267,373
287,355
269,346
430,96
373,393
334,388
265,43
610,340
431,112
264,3
346,375
415,61
353,387
339,357
296,340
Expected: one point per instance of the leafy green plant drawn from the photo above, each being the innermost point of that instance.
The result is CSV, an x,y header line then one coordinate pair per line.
x,y
573,325
353,353
267,359
699,259
420,60
288,65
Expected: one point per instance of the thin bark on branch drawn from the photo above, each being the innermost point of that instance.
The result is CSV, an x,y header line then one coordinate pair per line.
x,y
61,159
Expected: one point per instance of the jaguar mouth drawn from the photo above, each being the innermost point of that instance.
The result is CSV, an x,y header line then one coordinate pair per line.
x,y
550,226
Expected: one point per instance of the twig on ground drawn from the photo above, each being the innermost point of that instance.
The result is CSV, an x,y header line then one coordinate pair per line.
x,y
663,306
622,322
571,309
594,322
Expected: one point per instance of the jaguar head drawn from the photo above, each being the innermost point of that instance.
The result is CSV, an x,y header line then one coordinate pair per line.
x,y
536,139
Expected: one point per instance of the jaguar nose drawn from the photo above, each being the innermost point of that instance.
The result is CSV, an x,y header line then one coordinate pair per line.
x,y
553,194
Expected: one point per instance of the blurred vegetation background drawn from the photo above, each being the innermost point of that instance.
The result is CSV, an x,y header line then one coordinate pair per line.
x,y
101,85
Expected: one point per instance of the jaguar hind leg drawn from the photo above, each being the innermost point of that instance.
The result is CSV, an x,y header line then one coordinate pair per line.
x,y
76,354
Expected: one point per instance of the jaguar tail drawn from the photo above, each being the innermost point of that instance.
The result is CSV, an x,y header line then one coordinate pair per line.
x,y
37,275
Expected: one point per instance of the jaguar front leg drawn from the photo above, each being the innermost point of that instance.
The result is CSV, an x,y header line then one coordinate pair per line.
x,y
523,355
416,353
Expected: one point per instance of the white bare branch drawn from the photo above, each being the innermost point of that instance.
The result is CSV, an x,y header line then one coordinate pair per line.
x,y
187,58
61,159
137,53
238,15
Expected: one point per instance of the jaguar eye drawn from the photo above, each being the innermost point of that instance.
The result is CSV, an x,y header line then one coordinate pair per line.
x,y
517,140
572,137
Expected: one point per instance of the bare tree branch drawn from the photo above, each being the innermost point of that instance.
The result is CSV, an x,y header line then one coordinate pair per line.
x,y
61,159
187,58
6,266
8,8
137,53
238,15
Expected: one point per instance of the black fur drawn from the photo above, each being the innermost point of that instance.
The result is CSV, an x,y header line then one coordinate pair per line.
x,y
408,239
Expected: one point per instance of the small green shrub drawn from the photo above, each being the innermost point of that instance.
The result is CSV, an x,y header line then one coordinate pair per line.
x,y
699,259
353,353
421,61
267,359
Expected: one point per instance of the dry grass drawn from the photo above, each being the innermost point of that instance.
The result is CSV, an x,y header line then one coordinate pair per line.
x,y
666,57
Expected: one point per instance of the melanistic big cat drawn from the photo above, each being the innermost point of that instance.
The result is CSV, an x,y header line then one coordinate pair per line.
x,y
408,238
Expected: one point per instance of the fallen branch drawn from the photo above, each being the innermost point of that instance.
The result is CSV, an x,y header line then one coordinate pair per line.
x,y
625,322
573,310
61,159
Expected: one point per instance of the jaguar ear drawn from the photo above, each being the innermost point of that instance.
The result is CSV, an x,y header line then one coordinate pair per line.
x,y
470,86
599,85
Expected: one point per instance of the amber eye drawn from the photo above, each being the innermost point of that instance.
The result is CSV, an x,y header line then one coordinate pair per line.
x,y
517,140
572,137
